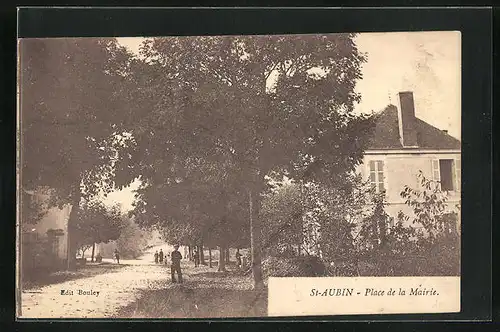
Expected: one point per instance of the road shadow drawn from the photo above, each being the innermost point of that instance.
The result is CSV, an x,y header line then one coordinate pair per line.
x,y
219,274
187,302
40,278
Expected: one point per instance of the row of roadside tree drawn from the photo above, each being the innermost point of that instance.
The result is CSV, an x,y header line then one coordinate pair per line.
x,y
203,123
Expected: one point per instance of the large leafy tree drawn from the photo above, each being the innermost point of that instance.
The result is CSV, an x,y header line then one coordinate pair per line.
x,y
282,209
133,239
74,94
315,218
263,103
203,205
97,223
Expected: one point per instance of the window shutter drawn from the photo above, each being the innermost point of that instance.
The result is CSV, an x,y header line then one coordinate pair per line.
x,y
435,172
372,173
372,166
458,174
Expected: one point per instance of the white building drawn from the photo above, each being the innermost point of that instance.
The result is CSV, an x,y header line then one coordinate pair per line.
x,y
45,242
402,145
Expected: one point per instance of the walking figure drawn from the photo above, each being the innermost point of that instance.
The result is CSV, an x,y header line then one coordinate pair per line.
x,y
156,257
176,263
196,257
160,255
117,256
238,258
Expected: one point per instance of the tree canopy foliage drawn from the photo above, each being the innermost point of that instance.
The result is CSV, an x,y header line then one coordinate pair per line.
x,y
97,223
233,109
132,239
71,111
74,97
204,123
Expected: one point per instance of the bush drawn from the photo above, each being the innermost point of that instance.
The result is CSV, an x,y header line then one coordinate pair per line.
x,y
38,258
304,266
343,268
429,248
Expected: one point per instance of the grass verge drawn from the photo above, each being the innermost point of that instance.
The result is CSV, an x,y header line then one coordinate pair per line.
x,y
181,302
205,294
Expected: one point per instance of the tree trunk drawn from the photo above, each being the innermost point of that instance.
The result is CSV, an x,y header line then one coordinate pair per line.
x,y
227,256
209,257
190,251
72,243
202,256
222,260
255,243
93,251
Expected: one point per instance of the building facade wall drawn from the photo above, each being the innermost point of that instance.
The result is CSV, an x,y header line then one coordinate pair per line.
x,y
44,243
400,169
56,219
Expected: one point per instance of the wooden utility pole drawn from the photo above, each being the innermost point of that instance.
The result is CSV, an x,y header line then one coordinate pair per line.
x,y
255,245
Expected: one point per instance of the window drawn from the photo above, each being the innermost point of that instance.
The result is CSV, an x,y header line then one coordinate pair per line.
x,y
447,173
377,175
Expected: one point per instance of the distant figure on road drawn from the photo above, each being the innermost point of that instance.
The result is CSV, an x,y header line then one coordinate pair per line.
x,y
196,257
156,257
238,258
176,263
160,255
117,256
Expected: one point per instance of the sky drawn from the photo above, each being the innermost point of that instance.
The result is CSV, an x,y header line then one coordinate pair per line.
x,y
427,63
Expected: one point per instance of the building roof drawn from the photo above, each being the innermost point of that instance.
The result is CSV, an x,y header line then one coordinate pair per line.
x,y
385,135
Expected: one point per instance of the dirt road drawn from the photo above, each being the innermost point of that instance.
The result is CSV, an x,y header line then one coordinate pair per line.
x,y
100,296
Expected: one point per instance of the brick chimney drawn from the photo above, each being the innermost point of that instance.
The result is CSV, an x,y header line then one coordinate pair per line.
x,y
406,120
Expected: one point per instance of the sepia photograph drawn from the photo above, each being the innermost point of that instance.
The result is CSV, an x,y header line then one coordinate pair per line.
x,y
236,176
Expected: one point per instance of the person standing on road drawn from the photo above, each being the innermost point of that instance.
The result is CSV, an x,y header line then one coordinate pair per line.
x,y
156,257
196,257
117,256
238,258
160,255
176,264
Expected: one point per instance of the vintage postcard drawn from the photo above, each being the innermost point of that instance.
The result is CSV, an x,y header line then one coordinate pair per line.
x,y
239,176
